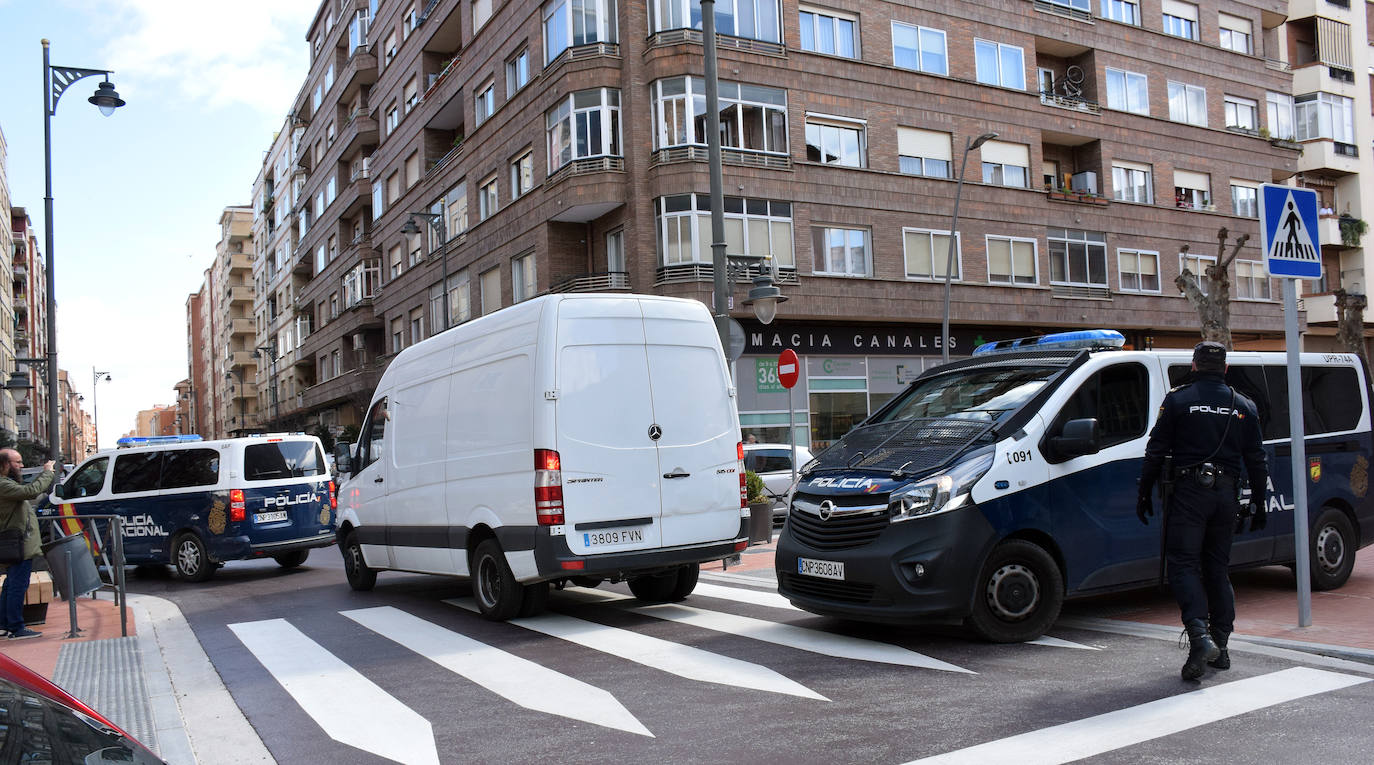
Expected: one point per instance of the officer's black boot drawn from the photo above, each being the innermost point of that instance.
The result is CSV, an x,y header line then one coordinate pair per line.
x,y
1223,659
1201,650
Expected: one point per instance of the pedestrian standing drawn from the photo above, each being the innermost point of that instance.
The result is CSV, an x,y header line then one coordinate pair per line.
x,y
15,513
1210,431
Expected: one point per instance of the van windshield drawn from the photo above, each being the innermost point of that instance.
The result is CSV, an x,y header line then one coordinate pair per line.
x,y
989,394
282,459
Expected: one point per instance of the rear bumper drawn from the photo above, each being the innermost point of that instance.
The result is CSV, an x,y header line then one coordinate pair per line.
x,y
242,548
553,557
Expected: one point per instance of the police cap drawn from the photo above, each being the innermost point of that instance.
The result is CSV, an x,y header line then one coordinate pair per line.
x,y
1209,356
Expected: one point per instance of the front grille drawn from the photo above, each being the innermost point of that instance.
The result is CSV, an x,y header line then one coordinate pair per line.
x,y
844,592
840,532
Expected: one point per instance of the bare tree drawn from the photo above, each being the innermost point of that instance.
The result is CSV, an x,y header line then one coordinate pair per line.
x,y
1350,322
1214,304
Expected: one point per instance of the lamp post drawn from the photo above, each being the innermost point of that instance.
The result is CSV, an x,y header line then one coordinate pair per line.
x,y
969,145
56,80
243,417
271,352
95,402
19,383
437,221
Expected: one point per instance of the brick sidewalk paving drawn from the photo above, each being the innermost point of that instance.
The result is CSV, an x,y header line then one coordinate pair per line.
x,y
97,619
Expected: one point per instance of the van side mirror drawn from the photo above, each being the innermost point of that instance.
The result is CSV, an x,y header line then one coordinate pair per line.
x,y
1079,437
343,458
57,490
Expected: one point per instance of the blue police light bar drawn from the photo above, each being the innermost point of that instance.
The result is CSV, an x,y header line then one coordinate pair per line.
x,y
1082,338
128,441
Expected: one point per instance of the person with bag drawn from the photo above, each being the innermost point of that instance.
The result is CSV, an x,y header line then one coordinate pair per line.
x,y
18,520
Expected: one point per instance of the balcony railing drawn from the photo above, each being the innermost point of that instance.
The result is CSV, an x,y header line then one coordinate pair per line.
x,y
446,159
1080,291
587,166
1070,102
609,281
679,36
728,155
684,273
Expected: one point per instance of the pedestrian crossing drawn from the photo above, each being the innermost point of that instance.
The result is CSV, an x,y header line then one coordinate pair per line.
x,y
721,638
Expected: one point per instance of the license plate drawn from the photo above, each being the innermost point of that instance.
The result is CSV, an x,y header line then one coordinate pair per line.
x,y
825,569
270,516
612,537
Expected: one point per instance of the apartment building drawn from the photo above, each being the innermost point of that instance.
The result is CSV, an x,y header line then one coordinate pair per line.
x,y
560,146
9,422
232,325
204,391
29,269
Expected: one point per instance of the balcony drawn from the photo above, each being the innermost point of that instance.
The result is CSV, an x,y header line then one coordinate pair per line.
x,y
1341,232
358,131
685,273
239,359
1328,156
242,327
612,281
680,36
302,263
728,156
1070,102
1077,197
242,292
20,271
588,189
1320,309
353,383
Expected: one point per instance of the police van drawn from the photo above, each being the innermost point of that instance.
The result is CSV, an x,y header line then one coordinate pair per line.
x,y
196,504
995,487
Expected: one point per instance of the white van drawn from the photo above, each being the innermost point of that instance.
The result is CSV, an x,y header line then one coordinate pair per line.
x,y
586,437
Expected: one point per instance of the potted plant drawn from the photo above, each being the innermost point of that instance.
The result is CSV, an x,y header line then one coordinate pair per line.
x,y
760,509
1352,230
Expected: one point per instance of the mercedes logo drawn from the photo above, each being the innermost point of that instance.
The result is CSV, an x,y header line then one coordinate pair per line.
x,y
827,507
655,432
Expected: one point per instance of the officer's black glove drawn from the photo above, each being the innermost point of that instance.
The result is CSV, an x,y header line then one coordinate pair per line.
x,y
1144,508
1242,513
1258,517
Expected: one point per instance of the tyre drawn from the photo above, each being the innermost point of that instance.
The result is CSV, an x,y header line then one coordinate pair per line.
x,y
291,559
497,593
191,559
360,577
1332,549
1018,593
666,587
686,582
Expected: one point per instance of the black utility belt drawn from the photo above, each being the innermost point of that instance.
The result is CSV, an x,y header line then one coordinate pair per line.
x,y
1207,475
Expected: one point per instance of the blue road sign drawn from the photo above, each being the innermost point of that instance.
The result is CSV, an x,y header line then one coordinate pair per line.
x,y
1288,231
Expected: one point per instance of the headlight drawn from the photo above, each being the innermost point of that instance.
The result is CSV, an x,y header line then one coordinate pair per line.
x,y
940,493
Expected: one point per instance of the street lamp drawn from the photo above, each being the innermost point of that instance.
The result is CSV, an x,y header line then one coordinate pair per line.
x,y
56,80
271,351
411,228
969,145
95,402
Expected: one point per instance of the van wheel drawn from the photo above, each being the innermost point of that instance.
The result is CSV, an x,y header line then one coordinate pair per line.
x,y
191,559
667,587
494,587
360,577
291,559
1332,550
1018,595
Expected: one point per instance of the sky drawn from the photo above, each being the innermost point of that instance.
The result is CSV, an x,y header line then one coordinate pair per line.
x,y
137,196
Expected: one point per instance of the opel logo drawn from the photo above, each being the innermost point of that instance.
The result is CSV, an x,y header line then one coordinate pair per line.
x,y
827,507
655,432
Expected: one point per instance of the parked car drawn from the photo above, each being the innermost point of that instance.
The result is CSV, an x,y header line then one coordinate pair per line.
x,y
773,463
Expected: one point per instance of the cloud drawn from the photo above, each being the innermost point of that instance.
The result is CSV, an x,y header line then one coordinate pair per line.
x,y
251,53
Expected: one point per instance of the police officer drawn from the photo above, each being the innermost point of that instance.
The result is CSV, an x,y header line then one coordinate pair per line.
x,y
1210,430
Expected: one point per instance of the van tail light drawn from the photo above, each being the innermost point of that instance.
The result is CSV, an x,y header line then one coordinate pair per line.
x,y
743,484
333,496
237,508
548,487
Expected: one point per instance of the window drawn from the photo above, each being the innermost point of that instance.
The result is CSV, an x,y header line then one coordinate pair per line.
x,y
522,175
523,281
481,13
1192,190
487,202
1011,260
317,99
373,435
1187,103
398,334
361,282
1118,397
754,226
1132,182
455,203
415,252
1279,115
517,72
585,124
570,23
842,251
754,19
1252,281
183,468
333,305
927,254
615,252
459,298
1197,264
393,118
411,94
835,142
1006,164
136,472
1244,199
919,48
485,103
1138,270
408,23
390,47
395,260
1000,64
1242,114
490,282
417,325
1078,258
1180,19
282,459
1325,115
1235,33
90,479
1125,11
1127,91
393,188
752,117
333,248
924,152
321,258
412,169
829,32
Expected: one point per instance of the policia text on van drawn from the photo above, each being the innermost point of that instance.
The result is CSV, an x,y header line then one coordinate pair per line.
x,y
994,487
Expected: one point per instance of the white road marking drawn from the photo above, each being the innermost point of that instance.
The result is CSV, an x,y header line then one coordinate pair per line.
x,y
802,638
1055,642
350,708
674,658
516,679
1133,725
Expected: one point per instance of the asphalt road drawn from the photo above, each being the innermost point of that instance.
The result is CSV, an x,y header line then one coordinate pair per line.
x,y
328,675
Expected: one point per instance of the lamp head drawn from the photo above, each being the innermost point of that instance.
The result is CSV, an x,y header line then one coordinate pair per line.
x,y
19,381
982,139
764,298
411,228
107,98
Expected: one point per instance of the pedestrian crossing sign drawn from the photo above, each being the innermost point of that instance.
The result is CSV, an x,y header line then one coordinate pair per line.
x,y
1288,231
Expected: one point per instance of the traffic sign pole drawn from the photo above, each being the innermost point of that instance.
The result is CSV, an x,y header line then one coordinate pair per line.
x,y
789,371
1299,453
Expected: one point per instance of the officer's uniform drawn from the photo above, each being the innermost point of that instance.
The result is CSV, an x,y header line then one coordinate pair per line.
x,y
1212,431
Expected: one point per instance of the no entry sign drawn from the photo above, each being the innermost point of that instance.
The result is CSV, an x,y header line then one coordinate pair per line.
x,y
789,369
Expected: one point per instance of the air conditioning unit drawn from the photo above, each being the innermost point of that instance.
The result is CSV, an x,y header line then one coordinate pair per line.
x,y
1085,181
